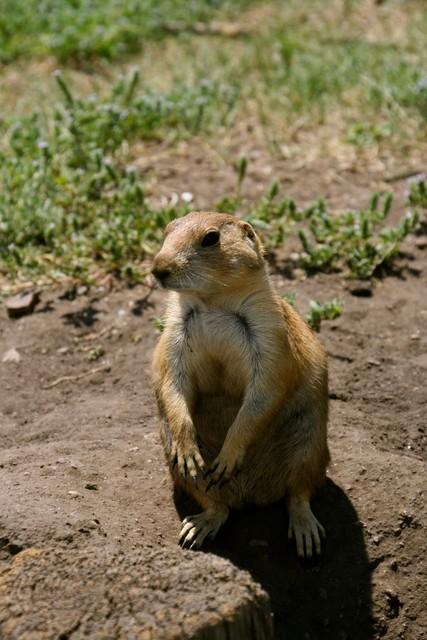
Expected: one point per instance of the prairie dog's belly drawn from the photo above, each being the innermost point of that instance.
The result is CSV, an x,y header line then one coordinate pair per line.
x,y
219,352
213,415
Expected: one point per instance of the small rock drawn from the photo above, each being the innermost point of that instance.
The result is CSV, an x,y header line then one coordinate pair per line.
x,y
92,486
12,356
374,363
74,494
63,350
82,290
22,304
394,566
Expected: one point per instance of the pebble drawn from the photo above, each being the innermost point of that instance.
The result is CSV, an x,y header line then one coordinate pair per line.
x,y
12,355
22,304
374,363
74,494
92,486
82,290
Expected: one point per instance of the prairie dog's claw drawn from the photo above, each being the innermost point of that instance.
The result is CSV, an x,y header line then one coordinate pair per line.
x,y
188,460
195,529
223,468
307,530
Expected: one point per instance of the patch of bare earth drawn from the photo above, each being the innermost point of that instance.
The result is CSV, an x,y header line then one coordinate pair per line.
x,y
81,466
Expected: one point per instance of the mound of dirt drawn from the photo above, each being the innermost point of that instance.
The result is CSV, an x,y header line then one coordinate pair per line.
x,y
82,469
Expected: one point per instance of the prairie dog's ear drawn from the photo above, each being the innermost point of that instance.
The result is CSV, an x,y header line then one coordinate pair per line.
x,y
248,230
252,237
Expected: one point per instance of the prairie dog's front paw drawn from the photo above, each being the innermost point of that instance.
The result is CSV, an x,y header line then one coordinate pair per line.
x,y
187,458
225,465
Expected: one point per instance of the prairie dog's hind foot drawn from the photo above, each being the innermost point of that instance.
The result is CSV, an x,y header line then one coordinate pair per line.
x,y
304,525
196,528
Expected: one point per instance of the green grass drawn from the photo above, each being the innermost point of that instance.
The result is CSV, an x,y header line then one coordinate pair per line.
x,y
82,29
68,199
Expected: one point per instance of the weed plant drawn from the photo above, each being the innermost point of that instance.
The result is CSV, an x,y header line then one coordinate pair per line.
x,y
319,312
354,241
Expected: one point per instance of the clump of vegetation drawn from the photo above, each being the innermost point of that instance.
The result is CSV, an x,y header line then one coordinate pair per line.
x,y
418,193
354,241
318,312
327,311
68,200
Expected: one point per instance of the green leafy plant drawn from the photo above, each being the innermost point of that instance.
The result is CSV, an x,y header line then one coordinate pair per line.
x,y
354,241
363,133
319,312
417,195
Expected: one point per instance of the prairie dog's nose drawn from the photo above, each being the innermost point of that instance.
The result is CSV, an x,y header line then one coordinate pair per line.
x,y
161,268
160,274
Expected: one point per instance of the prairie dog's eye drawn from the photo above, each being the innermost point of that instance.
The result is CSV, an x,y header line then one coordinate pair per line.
x,y
210,238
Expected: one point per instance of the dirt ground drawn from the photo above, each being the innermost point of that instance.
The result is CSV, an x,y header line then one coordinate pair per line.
x,y
81,463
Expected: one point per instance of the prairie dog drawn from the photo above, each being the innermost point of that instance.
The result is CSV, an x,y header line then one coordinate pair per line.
x,y
240,379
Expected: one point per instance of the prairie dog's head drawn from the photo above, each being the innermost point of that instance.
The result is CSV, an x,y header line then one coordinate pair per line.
x,y
206,253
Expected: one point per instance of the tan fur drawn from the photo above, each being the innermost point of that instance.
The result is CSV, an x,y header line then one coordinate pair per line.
x,y
240,378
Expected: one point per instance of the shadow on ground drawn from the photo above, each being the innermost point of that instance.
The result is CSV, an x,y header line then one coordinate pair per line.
x,y
329,598
83,318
